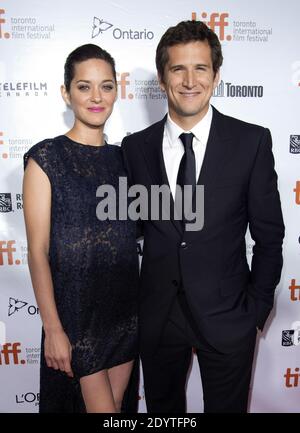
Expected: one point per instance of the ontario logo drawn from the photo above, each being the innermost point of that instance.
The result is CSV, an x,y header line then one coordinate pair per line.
x,y
101,26
15,305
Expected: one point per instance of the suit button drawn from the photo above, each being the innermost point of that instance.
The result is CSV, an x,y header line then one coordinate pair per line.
x,y
175,283
183,245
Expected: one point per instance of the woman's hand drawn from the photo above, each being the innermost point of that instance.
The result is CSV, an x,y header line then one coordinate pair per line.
x,y
58,351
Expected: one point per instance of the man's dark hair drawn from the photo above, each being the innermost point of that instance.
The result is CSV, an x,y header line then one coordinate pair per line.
x,y
182,33
82,53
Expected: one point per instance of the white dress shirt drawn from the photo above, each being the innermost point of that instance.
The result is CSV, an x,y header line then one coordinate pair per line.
x,y
173,149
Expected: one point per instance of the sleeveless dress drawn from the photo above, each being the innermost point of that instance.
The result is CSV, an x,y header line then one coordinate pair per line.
x,y
94,266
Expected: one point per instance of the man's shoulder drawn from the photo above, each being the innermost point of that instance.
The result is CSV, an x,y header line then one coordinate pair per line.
x,y
234,124
143,134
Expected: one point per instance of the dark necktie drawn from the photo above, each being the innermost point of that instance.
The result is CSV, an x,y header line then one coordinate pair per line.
x,y
187,168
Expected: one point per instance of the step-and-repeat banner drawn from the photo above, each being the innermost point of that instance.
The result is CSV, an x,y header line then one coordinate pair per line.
x,y
260,83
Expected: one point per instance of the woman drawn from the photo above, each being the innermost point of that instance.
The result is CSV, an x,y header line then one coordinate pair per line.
x,y
84,271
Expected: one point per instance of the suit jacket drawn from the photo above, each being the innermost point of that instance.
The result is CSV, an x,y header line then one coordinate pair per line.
x,y
226,298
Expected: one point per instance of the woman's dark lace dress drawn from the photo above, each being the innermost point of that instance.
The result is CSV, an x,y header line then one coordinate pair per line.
x,y
94,267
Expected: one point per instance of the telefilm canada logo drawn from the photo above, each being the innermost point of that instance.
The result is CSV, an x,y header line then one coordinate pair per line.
x,y
101,26
294,144
230,90
291,337
23,89
232,30
24,28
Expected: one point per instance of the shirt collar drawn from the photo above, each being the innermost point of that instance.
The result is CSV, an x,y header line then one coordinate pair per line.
x,y
200,130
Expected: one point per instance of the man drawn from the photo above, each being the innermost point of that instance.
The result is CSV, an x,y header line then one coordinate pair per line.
x,y
196,286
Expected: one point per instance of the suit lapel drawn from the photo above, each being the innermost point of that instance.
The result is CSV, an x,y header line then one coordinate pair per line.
x,y
152,150
153,154
217,150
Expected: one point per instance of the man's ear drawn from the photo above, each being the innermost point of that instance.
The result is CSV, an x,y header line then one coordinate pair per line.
x,y
217,79
65,95
161,83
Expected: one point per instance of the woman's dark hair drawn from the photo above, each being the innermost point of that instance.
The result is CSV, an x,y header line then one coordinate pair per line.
x,y
82,53
182,33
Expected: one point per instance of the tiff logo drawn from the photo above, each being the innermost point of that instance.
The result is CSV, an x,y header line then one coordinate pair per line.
x,y
10,354
6,247
4,154
292,379
297,192
215,20
123,83
6,35
294,290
